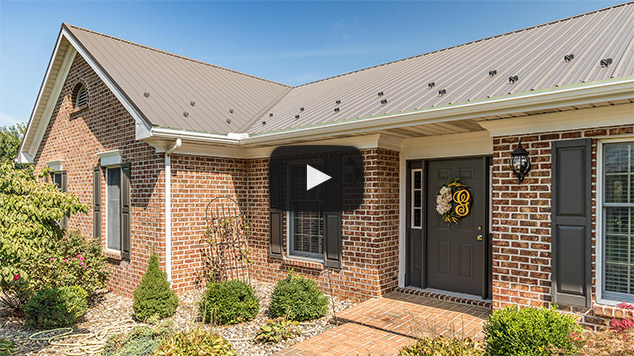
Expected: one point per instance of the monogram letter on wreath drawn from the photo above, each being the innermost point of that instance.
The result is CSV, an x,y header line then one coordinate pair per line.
x,y
453,201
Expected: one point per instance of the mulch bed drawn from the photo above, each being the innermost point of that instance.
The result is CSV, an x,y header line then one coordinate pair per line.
x,y
112,308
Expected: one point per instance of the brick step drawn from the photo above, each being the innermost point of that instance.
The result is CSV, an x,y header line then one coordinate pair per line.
x,y
349,339
445,297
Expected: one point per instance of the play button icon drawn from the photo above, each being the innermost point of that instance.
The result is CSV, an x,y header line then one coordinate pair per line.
x,y
314,177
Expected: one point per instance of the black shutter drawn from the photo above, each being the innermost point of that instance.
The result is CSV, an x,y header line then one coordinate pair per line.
x,y
275,209
64,188
332,213
125,211
571,222
96,202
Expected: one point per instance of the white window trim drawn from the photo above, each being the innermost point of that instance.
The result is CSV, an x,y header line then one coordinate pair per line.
x,y
56,166
105,209
599,246
110,159
411,197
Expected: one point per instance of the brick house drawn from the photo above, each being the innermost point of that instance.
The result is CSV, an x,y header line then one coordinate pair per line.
x,y
148,138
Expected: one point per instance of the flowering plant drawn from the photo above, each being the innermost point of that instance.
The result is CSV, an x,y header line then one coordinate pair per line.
x,y
444,200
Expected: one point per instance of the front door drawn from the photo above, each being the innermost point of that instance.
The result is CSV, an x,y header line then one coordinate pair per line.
x,y
444,256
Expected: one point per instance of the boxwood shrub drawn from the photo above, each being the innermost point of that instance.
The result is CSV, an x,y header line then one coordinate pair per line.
x,y
154,297
531,331
297,298
229,302
56,307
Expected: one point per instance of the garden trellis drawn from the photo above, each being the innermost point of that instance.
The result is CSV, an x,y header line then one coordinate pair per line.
x,y
225,252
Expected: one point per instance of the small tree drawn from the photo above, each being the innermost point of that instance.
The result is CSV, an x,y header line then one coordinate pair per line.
x,y
29,229
154,295
10,139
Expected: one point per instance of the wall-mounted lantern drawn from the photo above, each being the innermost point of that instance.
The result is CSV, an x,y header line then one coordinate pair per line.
x,y
520,163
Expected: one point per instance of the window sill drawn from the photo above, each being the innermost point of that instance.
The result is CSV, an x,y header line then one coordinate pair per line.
x,y
113,255
607,309
75,111
296,262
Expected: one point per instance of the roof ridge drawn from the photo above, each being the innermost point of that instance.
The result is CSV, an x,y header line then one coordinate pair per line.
x,y
468,43
173,54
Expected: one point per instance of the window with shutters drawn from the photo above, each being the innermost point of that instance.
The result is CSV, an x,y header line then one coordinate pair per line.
x,y
617,208
306,228
57,179
113,209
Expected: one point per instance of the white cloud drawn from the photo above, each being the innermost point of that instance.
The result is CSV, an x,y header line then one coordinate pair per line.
x,y
8,120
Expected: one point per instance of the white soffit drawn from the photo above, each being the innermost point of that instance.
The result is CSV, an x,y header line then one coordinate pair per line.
x,y
110,158
456,145
611,115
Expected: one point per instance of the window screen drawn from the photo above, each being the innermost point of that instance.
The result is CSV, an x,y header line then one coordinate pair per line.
x,y
113,206
306,227
618,219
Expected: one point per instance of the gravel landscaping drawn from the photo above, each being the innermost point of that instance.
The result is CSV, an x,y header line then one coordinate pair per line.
x,y
111,310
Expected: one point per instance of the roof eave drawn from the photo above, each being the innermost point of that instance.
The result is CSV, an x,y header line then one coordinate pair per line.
x,y
613,89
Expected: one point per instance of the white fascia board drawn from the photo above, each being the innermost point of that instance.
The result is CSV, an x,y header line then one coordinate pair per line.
x,y
578,95
142,127
617,89
38,124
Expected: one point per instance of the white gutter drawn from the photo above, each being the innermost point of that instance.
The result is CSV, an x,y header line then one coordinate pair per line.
x,y
168,208
565,96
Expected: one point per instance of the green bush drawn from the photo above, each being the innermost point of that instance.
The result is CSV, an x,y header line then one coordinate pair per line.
x,y
29,215
433,346
56,307
154,297
531,331
195,342
141,341
229,302
298,298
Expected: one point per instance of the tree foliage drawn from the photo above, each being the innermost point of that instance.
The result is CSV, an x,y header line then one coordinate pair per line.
x,y
29,229
10,139
154,296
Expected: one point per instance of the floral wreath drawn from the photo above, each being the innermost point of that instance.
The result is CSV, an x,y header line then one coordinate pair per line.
x,y
453,191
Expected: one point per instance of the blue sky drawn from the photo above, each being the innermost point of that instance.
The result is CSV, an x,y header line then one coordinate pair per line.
x,y
289,42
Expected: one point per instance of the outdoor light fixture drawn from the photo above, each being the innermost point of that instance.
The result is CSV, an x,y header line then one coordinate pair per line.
x,y
520,164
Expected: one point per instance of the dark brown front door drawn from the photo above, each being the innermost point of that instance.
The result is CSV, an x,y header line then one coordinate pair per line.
x,y
441,256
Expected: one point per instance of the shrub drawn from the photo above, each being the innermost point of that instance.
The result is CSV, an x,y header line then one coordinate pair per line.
x,y
7,347
229,302
531,331
154,295
298,298
29,215
141,341
56,307
433,346
195,342
277,330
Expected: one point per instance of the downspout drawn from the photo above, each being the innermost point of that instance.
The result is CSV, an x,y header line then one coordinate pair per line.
x,y
168,208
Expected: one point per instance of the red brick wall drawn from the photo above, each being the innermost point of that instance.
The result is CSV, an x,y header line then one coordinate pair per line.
x,y
370,234
521,222
77,137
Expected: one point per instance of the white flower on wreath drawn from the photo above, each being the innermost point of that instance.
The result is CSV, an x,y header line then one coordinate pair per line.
x,y
443,200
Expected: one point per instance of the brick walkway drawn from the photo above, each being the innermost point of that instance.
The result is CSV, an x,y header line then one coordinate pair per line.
x,y
383,326
417,316
349,339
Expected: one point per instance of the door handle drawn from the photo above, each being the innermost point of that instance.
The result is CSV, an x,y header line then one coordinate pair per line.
x,y
479,237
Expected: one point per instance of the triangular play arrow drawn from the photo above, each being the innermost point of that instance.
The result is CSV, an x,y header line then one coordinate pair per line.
x,y
314,177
